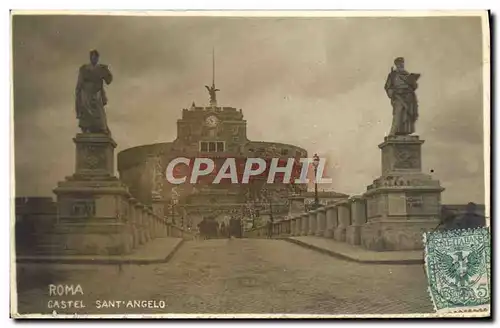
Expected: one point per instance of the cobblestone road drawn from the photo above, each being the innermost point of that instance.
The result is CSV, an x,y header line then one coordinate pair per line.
x,y
246,276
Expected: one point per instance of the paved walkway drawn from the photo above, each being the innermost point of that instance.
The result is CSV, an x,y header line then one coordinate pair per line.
x,y
239,276
156,251
358,253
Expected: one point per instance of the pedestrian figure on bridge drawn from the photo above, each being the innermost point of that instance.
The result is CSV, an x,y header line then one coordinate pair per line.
x,y
230,230
223,229
212,230
203,228
270,228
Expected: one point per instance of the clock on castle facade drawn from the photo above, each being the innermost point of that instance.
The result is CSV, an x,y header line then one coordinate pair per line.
x,y
212,121
219,130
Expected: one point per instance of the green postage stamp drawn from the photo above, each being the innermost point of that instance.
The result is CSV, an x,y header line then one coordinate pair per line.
x,y
457,264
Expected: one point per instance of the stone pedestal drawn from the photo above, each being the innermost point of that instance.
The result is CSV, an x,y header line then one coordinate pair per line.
x,y
331,221
403,202
358,218
93,206
344,220
312,223
305,224
94,156
321,221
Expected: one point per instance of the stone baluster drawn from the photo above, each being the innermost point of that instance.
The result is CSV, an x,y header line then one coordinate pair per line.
x,y
133,222
152,226
159,226
312,223
276,228
305,224
157,230
344,220
164,226
358,215
331,221
169,229
292,225
321,221
286,227
139,218
297,224
146,222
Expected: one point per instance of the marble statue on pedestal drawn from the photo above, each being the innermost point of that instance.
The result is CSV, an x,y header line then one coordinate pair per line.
x,y
400,87
91,96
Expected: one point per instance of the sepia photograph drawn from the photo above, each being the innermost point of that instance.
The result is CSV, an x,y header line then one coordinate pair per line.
x,y
325,164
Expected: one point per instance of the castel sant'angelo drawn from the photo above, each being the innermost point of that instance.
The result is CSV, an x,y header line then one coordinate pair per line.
x,y
216,132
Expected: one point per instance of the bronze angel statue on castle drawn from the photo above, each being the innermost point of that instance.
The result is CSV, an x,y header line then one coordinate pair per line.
x,y
213,95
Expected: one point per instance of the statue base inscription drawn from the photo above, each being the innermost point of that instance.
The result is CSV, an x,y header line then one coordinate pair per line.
x,y
403,202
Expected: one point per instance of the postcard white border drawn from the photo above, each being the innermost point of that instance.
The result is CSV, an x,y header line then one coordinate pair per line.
x,y
271,13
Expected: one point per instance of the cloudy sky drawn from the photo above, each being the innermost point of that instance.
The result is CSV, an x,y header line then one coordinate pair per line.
x,y
313,82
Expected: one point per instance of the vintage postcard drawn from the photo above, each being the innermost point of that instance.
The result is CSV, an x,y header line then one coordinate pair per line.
x,y
250,164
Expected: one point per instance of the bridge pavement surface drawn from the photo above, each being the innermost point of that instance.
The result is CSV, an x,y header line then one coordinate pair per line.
x,y
236,276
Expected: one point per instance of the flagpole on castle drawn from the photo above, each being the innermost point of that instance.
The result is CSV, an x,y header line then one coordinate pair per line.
x,y
212,90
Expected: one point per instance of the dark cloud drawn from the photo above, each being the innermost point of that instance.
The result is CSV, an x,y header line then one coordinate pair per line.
x,y
317,83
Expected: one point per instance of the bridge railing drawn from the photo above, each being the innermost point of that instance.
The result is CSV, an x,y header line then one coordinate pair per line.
x,y
341,221
144,225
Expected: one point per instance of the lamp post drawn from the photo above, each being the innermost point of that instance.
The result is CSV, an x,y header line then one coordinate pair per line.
x,y
315,165
173,203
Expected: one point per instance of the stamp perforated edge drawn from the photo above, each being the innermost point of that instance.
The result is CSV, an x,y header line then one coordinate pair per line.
x,y
463,310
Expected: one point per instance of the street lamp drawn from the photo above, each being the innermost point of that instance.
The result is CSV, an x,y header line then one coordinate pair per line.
x,y
173,203
315,165
266,193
